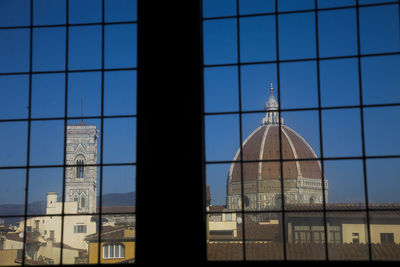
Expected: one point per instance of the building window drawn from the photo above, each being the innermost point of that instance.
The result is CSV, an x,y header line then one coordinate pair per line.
x,y
334,234
387,238
113,251
247,120
51,235
302,234
80,169
79,229
356,238
318,237
68,107
83,202
216,217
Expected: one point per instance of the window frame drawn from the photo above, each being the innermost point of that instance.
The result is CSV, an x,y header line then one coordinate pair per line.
x,y
80,229
329,234
80,169
65,117
387,238
170,82
116,247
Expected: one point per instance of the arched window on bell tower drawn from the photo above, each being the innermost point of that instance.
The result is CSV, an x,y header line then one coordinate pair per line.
x,y
80,170
83,203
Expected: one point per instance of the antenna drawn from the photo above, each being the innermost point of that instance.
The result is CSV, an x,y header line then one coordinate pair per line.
x,y
81,111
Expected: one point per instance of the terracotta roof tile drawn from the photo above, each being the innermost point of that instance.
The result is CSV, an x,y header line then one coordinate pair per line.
x,y
217,208
110,232
116,209
343,209
293,147
253,232
58,245
17,237
274,251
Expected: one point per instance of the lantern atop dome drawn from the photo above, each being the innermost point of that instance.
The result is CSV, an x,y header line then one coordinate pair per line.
x,y
272,107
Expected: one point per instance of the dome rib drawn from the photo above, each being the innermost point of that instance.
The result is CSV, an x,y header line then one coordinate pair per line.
x,y
311,168
305,142
260,157
237,164
299,174
271,153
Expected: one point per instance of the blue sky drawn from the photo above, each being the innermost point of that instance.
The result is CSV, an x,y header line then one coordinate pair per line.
x,y
339,82
48,91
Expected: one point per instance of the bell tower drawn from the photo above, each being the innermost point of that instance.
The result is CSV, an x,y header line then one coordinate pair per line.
x,y
80,179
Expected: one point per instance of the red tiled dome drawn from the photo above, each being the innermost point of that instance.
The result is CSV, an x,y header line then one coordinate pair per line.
x,y
263,145
271,153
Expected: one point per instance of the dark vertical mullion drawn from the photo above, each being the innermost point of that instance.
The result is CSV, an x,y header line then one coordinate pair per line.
x,y
320,132
140,137
29,133
362,130
101,135
240,128
65,128
137,117
203,142
283,213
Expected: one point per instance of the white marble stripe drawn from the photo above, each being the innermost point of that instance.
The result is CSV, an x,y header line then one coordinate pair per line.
x,y
309,147
260,157
237,153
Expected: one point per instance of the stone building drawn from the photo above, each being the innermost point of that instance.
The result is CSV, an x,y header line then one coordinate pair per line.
x,y
80,180
261,176
80,198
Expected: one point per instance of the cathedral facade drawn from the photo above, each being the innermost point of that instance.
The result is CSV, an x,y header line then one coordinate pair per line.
x,y
275,160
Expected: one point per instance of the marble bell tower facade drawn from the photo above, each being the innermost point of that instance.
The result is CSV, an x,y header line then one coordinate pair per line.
x,y
81,179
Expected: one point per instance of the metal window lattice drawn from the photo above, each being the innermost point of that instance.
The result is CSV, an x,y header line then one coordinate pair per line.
x,y
325,232
80,165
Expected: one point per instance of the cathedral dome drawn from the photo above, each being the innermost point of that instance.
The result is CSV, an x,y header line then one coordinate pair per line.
x,y
262,171
263,146
263,149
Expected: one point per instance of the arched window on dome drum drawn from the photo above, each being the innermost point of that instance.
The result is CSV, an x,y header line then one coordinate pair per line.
x,y
278,202
246,201
79,169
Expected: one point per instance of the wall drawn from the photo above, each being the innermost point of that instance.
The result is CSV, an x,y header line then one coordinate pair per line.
x,y
8,256
77,240
349,228
12,244
224,224
377,229
52,252
49,223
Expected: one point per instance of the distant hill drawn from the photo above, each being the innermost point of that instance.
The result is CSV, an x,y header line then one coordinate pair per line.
x,y
39,207
118,199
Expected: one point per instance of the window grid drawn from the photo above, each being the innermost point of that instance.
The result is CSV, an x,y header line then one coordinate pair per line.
x,y
113,251
78,165
359,56
320,132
